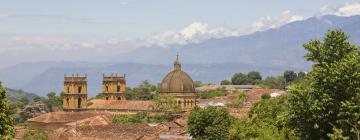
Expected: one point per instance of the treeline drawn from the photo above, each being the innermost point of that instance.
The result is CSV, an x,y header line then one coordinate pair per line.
x,y
255,78
325,105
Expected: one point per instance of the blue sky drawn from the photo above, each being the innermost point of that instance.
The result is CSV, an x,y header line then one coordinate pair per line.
x,y
46,30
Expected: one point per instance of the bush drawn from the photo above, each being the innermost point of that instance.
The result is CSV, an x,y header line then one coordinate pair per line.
x,y
239,101
37,134
265,96
213,93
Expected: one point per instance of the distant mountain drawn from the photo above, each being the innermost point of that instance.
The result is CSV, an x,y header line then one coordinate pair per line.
x,y
280,47
270,52
14,95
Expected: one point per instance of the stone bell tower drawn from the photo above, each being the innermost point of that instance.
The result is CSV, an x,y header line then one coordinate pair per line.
x,y
114,87
75,92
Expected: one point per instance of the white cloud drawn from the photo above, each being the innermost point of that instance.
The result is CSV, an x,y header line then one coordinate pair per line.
x,y
268,22
198,31
193,33
348,9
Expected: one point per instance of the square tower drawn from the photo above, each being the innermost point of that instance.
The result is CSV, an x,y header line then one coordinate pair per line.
x,y
75,92
114,87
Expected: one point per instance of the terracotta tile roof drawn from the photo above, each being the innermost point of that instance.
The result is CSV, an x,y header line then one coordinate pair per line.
x,y
64,117
254,95
129,105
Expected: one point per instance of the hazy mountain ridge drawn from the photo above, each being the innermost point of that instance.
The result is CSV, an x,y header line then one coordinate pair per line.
x,y
270,52
14,95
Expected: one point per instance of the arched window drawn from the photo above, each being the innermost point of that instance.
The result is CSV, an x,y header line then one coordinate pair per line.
x,y
119,98
191,102
179,102
107,98
106,88
67,89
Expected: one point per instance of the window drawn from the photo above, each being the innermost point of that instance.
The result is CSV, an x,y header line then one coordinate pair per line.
x,y
106,88
67,90
118,88
118,98
79,89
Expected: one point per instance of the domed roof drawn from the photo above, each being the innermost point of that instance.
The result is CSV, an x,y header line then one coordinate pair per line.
x,y
177,81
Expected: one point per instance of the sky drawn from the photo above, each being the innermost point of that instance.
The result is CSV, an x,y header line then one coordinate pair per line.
x,y
78,30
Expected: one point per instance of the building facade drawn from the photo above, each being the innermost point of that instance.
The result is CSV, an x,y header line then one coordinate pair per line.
x,y
180,85
114,87
75,92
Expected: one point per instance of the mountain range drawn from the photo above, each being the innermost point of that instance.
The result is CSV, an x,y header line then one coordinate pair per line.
x,y
271,52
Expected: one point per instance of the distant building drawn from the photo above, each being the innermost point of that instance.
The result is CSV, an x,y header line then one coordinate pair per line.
x,y
180,85
177,83
75,92
114,87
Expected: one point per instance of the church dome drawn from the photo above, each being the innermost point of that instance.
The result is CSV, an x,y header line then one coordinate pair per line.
x,y
177,81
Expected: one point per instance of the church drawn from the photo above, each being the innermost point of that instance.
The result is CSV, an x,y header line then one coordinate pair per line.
x,y
176,83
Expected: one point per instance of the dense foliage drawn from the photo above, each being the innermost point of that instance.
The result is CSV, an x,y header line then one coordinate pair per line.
x,y
213,93
7,130
209,123
165,103
267,120
330,99
250,78
141,117
144,91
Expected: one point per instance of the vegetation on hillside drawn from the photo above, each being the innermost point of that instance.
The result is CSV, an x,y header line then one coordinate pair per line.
x,y
15,95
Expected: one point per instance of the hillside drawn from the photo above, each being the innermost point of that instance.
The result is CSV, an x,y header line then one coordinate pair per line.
x,y
14,95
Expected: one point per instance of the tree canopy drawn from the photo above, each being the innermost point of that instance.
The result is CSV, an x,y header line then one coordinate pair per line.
x,y
7,130
330,97
209,123
250,78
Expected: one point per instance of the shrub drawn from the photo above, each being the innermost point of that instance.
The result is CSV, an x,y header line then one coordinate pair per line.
x,y
265,96
37,134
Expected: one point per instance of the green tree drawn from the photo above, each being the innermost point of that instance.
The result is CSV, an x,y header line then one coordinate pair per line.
x,y
254,77
225,82
250,78
273,82
7,130
329,97
144,91
209,123
239,79
289,76
53,102
165,103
